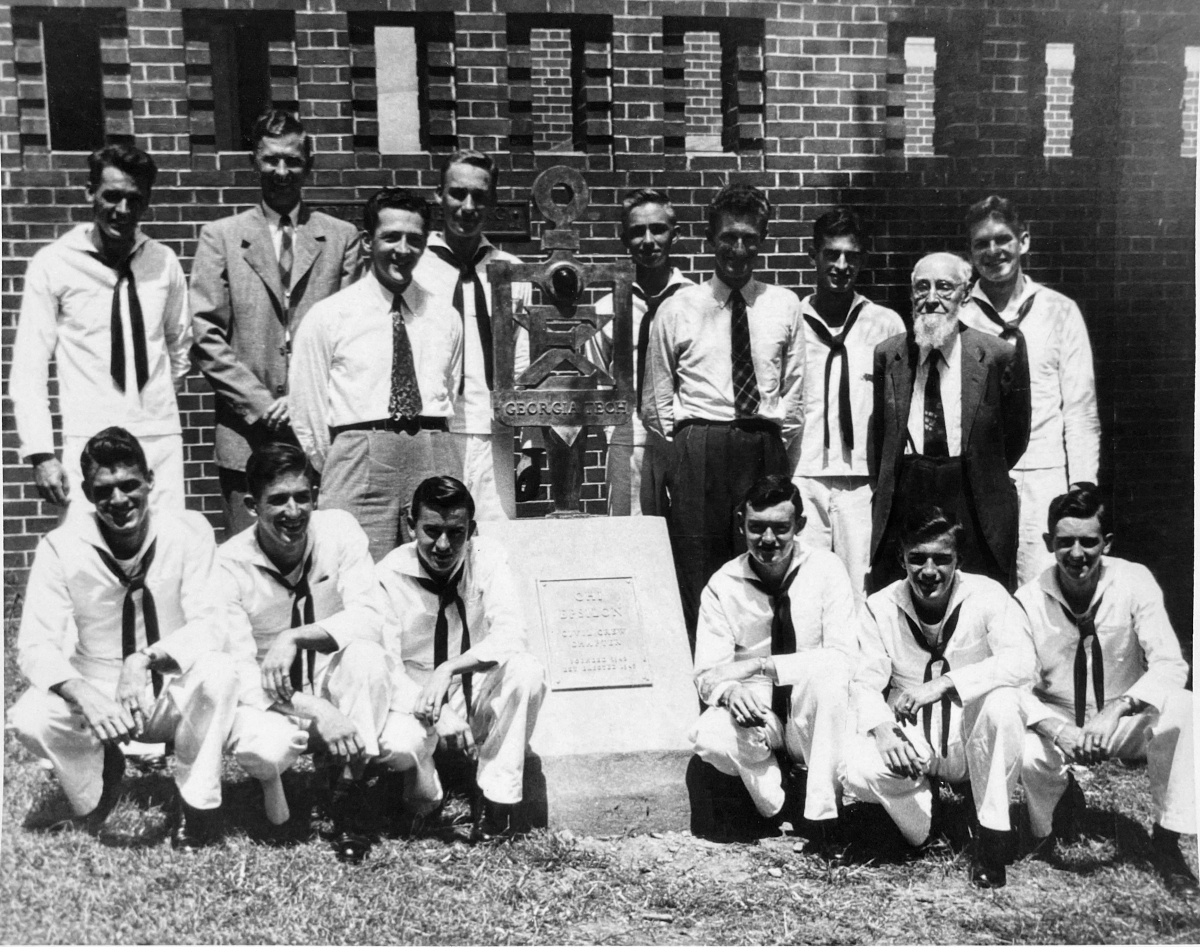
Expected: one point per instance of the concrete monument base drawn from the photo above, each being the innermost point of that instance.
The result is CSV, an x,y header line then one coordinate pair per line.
x,y
601,602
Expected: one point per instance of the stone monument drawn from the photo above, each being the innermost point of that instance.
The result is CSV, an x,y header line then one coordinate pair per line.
x,y
600,595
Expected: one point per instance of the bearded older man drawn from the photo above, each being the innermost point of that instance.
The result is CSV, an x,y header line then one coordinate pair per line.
x,y
951,419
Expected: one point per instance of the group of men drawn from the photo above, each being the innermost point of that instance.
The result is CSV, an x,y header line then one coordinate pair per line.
x,y
778,435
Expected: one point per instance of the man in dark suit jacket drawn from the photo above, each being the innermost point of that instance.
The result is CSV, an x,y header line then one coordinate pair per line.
x,y
254,277
951,419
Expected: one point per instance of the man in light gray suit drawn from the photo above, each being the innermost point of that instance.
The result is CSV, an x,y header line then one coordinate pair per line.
x,y
254,278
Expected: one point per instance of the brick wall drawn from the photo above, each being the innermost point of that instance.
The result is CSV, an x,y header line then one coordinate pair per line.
x,y
814,120
920,63
703,78
1060,93
552,112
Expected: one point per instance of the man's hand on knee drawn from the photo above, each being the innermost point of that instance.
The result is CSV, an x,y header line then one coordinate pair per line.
x,y
338,734
277,667
132,688
428,706
106,718
746,707
898,754
455,734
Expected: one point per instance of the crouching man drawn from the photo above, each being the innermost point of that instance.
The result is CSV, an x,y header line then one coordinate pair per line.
x,y
1111,683
305,626
141,590
453,620
775,650
937,692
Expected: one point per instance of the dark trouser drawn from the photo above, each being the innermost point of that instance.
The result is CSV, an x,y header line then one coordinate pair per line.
x,y
935,481
712,466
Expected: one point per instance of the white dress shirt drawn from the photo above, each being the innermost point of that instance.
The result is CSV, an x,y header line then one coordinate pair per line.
x,y
494,616
66,312
690,356
1141,652
273,218
473,408
950,383
71,623
1065,427
341,579
599,351
873,325
736,615
991,646
341,370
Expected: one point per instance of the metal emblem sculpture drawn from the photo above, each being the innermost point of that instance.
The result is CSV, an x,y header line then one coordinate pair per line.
x,y
561,390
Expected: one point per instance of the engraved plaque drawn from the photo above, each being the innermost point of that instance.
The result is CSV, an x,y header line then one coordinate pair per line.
x,y
593,633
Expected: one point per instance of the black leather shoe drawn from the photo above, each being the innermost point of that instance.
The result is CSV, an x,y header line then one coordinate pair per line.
x,y
197,829
351,842
1172,866
987,863
1067,824
114,772
832,844
493,822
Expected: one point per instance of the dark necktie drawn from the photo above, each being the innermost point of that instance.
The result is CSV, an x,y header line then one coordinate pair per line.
x,y
136,583
745,385
643,339
783,637
405,401
837,349
1009,331
467,273
300,617
936,444
285,252
1086,623
937,655
447,594
141,363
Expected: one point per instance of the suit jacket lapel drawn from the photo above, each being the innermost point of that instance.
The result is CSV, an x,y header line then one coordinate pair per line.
x,y
307,245
901,374
974,384
260,255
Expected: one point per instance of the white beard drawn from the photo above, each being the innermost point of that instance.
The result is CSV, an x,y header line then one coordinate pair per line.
x,y
932,330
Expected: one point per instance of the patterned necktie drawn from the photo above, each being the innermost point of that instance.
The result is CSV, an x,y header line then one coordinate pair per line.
x,y
285,253
447,594
937,655
405,401
837,349
136,583
1009,331
467,273
141,363
643,340
300,617
1086,623
936,444
745,386
783,637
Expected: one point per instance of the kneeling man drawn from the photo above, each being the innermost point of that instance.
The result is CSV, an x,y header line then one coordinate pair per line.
x,y
452,617
1112,680
139,588
775,650
305,621
950,651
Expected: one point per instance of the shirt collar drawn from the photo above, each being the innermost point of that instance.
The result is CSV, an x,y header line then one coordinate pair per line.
x,y
273,216
800,556
437,238
1048,580
89,530
408,561
903,598
80,238
244,547
675,277
721,292
808,309
947,348
385,296
1028,290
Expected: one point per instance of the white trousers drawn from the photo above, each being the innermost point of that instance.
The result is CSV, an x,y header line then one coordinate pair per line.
x,y
1163,740
839,519
505,705
485,463
815,732
164,454
195,709
1035,490
986,742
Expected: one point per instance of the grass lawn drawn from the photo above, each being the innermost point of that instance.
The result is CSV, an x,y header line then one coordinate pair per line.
x,y
127,885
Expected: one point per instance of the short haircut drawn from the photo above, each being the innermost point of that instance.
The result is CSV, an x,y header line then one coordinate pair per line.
x,y
742,200
770,490
1080,502
397,198
272,461
962,269
923,524
275,123
124,157
839,222
642,196
112,447
443,492
998,208
476,159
